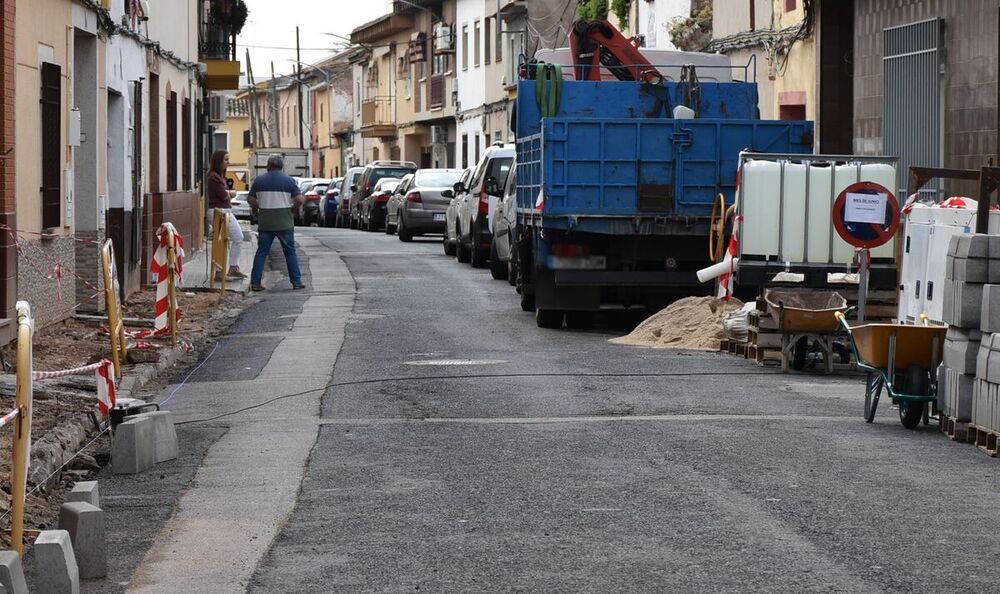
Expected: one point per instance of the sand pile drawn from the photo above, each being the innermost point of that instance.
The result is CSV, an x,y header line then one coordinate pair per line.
x,y
691,323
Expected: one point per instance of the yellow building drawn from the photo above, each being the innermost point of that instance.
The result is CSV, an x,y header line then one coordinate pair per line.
x,y
233,135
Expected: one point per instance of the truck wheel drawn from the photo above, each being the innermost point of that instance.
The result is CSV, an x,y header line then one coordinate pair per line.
x,y
478,258
549,318
527,301
498,269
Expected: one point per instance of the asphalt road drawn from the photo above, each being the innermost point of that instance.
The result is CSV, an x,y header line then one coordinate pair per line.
x,y
462,449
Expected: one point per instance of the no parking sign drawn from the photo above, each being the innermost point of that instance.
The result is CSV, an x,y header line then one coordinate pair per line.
x,y
866,215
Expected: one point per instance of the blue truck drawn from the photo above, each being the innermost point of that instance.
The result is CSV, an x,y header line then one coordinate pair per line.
x,y
615,194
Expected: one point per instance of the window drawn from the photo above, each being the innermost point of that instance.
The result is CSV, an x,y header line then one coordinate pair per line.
x,y
476,46
172,142
51,153
478,147
220,141
487,46
465,47
246,139
465,151
186,152
499,42
496,136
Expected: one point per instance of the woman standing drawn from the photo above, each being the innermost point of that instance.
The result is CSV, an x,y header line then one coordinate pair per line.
x,y
219,196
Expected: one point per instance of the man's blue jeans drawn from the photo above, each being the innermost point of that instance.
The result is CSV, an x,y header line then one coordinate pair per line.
x,y
264,241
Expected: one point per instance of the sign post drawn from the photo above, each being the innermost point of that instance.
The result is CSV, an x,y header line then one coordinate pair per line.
x,y
865,215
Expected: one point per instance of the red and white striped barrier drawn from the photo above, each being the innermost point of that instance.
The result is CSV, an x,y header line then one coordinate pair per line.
x,y
159,270
8,418
103,371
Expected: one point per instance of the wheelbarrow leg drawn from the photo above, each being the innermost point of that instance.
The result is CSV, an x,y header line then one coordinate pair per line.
x,y
873,389
784,352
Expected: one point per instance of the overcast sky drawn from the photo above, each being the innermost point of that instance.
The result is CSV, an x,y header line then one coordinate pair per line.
x,y
272,23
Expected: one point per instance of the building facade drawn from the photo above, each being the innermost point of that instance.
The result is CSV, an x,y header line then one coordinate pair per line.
x,y
8,178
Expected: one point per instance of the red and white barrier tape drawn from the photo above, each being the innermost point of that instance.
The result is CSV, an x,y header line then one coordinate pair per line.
x,y
104,373
9,417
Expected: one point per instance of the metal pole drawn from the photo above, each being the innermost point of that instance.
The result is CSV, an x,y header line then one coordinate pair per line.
x,y
863,258
298,84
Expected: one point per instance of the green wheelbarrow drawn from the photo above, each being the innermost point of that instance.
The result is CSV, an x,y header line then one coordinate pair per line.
x,y
901,358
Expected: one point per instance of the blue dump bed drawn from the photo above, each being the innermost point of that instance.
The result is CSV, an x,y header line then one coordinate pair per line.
x,y
613,151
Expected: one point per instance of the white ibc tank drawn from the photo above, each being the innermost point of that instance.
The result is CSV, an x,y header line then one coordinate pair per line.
x,y
782,204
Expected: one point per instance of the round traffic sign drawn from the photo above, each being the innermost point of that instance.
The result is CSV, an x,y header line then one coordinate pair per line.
x,y
866,215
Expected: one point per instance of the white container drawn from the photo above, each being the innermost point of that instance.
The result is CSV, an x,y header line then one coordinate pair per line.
x,y
758,230
793,219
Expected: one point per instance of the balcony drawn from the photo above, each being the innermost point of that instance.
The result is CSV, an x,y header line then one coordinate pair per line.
x,y
217,51
378,117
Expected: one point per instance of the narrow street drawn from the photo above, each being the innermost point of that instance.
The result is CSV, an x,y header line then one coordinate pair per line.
x,y
463,449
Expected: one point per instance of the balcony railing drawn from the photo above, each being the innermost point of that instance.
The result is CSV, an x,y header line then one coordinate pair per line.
x,y
218,41
378,117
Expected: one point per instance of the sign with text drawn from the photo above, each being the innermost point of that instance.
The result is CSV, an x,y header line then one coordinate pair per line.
x,y
865,208
866,215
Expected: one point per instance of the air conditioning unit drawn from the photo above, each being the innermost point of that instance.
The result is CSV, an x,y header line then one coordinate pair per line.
x,y
217,109
444,40
439,135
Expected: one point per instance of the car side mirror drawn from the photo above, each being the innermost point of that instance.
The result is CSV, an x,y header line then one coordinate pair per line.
x,y
447,193
493,187
458,188
354,187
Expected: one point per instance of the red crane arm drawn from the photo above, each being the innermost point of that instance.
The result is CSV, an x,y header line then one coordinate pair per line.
x,y
598,43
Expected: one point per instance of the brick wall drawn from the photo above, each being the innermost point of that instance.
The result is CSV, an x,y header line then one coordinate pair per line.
x,y
970,79
51,300
88,271
8,254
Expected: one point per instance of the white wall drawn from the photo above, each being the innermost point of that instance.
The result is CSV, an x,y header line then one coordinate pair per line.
x,y
126,65
655,17
471,79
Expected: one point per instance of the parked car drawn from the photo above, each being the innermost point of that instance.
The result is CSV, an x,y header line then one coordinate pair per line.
x,y
241,209
502,261
475,233
373,207
309,212
346,194
454,197
329,203
421,205
395,201
371,175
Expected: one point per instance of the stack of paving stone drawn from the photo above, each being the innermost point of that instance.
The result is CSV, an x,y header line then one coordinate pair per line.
x,y
966,276
986,395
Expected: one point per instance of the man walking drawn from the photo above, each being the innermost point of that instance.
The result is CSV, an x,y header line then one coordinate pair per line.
x,y
274,195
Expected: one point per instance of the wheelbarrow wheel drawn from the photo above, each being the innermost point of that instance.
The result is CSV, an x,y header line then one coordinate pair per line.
x,y
917,383
873,389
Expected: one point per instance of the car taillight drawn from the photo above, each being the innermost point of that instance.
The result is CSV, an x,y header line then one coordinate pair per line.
x,y
414,197
312,197
381,198
484,203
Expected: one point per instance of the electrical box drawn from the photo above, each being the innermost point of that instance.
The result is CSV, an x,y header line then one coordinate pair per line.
x,y
75,121
69,186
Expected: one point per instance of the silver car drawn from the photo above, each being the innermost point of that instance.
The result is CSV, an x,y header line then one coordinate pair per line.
x,y
503,263
420,205
241,210
455,197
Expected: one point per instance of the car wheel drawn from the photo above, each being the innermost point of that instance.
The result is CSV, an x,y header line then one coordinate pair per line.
x,y
460,251
388,229
527,301
404,232
478,256
511,274
498,269
449,247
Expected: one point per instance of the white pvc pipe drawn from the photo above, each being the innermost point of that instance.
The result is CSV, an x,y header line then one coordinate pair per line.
x,y
716,270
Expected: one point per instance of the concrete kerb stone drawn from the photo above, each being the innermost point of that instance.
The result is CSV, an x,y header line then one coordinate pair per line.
x,y
87,492
132,449
961,348
85,525
55,566
973,246
12,573
953,244
164,436
994,247
966,303
971,270
990,317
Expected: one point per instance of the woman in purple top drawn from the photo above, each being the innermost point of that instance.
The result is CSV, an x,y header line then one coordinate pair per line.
x,y
219,195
